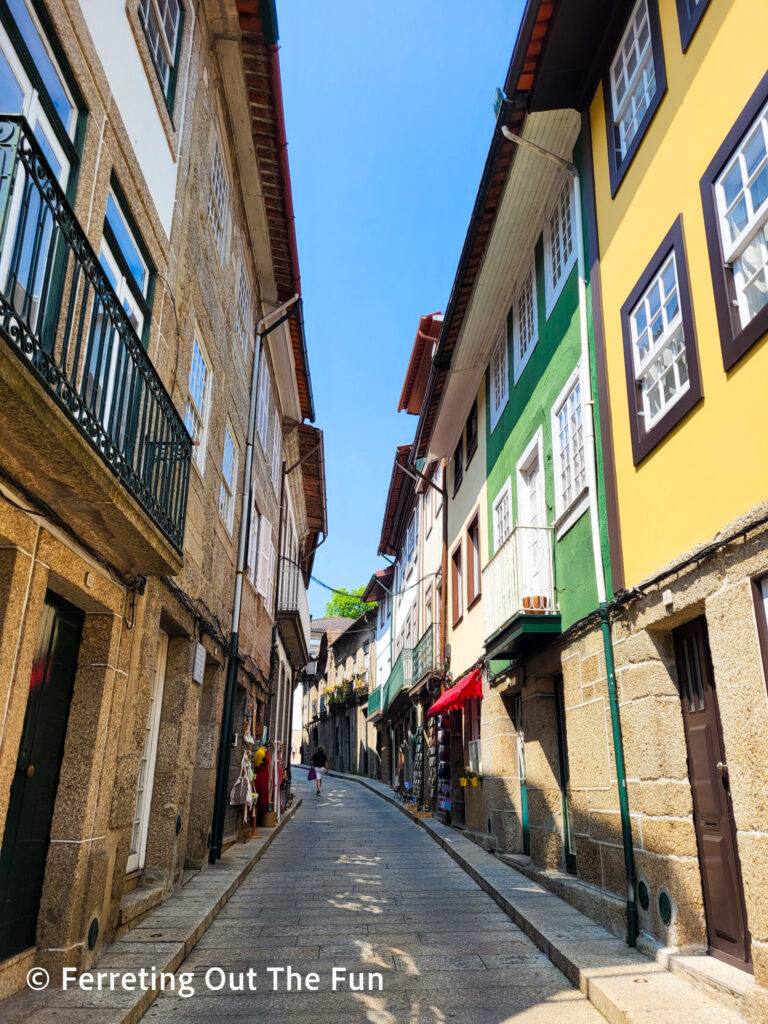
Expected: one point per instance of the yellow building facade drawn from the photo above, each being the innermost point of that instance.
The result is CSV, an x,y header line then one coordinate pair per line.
x,y
711,468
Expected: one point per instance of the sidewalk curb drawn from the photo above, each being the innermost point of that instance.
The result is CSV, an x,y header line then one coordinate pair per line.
x,y
126,953
624,985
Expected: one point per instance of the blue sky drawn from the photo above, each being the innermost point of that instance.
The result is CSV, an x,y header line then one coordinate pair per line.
x,y
389,115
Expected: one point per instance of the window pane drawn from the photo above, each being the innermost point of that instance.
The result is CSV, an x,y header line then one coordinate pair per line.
x,y
11,93
128,248
52,79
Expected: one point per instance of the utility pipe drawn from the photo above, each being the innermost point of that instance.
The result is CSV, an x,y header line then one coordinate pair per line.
x,y
588,419
228,714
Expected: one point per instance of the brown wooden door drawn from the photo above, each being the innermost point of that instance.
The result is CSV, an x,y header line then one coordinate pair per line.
x,y
712,809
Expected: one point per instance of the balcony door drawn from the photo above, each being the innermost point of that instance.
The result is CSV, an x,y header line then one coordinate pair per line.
x,y
531,523
143,804
27,263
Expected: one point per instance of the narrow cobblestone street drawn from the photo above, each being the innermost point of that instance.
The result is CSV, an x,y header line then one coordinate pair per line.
x,y
352,883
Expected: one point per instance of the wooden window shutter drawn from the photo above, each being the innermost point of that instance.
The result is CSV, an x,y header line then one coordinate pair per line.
x,y
265,543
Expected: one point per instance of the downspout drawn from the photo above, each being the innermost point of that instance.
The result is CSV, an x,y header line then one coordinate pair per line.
x,y
228,714
588,404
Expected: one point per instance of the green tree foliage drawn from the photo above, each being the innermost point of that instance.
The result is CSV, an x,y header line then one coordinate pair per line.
x,y
348,603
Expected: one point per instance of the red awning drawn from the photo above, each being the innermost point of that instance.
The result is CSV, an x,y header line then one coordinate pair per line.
x,y
467,688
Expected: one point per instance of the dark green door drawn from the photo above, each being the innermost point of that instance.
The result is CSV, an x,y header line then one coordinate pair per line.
x,y
33,790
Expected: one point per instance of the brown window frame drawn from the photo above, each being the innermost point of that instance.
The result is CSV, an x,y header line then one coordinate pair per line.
x,y
458,464
474,586
761,621
688,20
735,340
457,583
643,442
472,438
617,169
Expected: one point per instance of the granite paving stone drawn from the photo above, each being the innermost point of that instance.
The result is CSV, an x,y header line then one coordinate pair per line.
x,y
369,892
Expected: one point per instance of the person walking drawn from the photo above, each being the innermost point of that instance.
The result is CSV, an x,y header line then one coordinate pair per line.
x,y
319,765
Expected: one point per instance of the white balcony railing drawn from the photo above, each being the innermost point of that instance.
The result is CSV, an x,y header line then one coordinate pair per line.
x,y
519,579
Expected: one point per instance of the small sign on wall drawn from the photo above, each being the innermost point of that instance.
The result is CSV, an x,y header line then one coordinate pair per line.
x,y
198,669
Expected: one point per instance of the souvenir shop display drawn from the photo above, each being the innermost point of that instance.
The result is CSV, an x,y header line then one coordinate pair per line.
x,y
431,734
418,764
444,764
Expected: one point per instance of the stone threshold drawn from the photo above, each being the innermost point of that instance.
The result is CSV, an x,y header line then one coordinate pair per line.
x,y
162,940
624,984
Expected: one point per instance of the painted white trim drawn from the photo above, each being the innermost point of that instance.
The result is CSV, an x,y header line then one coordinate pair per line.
x,y
505,489
562,512
534,446
521,365
502,343
137,858
553,292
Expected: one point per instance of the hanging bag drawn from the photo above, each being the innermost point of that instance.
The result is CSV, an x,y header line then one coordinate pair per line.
x,y
241,791
312,774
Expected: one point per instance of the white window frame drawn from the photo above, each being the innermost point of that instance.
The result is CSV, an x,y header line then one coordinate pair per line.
x,y
520,358
244,308
567,514
670,329
200,415
228,488
219,199
500,361
169,49
277,450
146,780
643,58
754,229
266,560
253,544
504,492
265,401
565,227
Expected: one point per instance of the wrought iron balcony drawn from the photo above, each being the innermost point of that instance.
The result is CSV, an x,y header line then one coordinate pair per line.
x,y
425,653
61,318
518,587
293,613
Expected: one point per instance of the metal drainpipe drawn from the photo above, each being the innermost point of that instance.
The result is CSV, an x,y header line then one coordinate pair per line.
x,y
228,714
597,547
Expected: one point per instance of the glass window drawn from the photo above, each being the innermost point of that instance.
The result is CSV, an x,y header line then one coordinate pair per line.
x,y
663,381
526,321
499,374
458,464
44,63
262,414
243,309
228,476
277,450
162,21
633,78
742,201
472,431
198,403
568,444
559,243
658,344
502,515
218,203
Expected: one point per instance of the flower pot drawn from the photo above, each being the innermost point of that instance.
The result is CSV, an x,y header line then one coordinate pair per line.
x,y
539,602
462,782
475,783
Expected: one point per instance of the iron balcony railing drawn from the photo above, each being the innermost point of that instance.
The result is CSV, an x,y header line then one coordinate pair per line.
x,y
425,654
374,701
314,709
60,315
400,676
519,579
